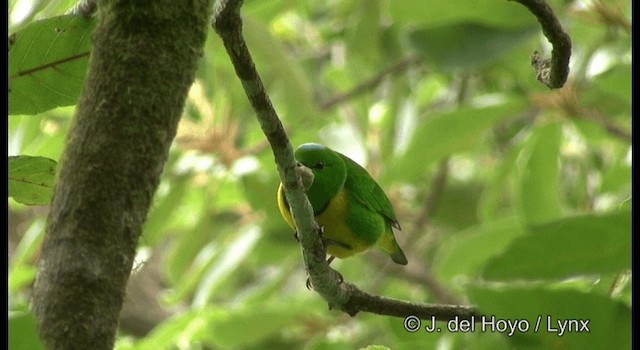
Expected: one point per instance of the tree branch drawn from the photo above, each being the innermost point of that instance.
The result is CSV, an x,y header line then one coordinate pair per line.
x,y
551,72
142,64
567,101
339,294
362,301
370,83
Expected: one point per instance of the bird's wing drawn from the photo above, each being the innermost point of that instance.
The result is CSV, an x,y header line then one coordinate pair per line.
x,y
365,189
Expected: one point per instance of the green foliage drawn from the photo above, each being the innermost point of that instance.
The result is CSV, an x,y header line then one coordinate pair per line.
x,y
531,220
22,332
446,133
31,179
467,45
47,63
566,248
608,321
539,185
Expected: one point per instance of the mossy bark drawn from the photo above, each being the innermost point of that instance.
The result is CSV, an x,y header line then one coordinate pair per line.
x,y
143,62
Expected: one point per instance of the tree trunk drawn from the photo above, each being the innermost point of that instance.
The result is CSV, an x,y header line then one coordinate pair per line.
x,y
145,53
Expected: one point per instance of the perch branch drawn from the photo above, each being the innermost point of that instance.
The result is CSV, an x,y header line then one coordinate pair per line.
x,y
326,281
552,72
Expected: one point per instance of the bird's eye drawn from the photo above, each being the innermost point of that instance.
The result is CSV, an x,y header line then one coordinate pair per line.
x,y
319,165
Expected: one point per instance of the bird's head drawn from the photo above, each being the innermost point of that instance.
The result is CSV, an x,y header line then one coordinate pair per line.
x,y
329,172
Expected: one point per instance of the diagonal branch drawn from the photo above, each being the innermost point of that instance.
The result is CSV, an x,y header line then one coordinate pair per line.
x,y
326,281
552,72
370,83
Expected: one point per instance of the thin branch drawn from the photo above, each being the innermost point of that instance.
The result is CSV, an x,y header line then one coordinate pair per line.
x,y
84,8
228,24
418,274
362,301
436,188
551,72
611,15
611,127
370,83
567,101
339,294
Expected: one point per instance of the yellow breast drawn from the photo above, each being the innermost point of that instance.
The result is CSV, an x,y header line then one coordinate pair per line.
x,y
334,222
283,206
340,239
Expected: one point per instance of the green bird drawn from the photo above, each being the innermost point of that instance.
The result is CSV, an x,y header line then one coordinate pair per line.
x,y
353,211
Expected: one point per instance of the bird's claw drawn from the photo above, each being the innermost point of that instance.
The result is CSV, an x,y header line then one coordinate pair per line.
x,y
308,284
338,275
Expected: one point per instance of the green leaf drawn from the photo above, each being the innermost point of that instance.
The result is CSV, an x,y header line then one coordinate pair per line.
x,y
588,244
446,133
21,269
20,276
171,330
230,327
496,200
608,321
284,75
161,214
47,63
466,252
22,332
31,179
223,268
259,190
496,13
363,38
610,92
243,326
467,45
540,175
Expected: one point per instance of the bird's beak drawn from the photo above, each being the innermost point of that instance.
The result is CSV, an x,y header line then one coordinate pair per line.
x,y
305,174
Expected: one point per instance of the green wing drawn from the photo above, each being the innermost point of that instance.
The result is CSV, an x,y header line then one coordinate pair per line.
x,y
367,191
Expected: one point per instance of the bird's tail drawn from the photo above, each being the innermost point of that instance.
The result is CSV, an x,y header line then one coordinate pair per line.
x,y
389,244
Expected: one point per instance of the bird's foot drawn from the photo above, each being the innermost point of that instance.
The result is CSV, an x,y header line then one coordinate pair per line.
x,y
329,260
340,278
295,236
308,284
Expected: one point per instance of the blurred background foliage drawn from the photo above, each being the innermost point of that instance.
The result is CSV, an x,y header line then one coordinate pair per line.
x,y
512,197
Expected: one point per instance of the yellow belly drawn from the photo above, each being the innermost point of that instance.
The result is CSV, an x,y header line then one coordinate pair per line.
x,y
333,222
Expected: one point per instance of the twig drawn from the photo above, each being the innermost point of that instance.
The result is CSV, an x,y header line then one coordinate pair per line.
x,y
362,301
419,274
611,15
339,294
600,119
551,72
567,101
436,187
369,84
228,24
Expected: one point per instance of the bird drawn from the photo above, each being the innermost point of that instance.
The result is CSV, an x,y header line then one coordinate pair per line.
x,y
351,208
